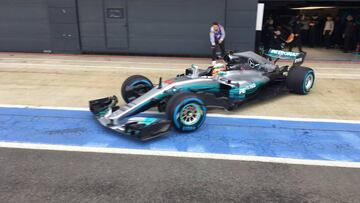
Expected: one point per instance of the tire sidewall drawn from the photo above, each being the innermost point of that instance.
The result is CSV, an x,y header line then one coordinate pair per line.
x,y
296,79
141,81
177,104
132,81
308,73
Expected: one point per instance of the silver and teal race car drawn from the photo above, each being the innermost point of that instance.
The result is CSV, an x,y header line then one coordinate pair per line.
x,y
186,97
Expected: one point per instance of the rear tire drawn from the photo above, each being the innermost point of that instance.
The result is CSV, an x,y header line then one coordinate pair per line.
x,y
134,87
300,80
186,111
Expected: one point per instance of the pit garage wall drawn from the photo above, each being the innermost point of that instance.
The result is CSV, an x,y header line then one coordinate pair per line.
x,y
166,27
39,26
24,25
170,27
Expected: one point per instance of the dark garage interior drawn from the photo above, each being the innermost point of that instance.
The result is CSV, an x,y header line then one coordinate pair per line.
x,y
286,13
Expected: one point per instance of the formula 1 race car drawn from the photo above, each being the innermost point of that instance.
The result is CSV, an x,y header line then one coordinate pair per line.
x,y
186,97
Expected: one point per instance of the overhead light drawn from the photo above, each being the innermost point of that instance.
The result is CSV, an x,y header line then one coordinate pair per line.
x,y
312,7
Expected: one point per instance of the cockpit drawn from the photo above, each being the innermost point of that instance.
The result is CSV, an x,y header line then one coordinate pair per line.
x,y
239,61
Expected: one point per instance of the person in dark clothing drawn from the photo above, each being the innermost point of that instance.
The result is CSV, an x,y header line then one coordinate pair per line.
x,y
328,31
275,40
337,34
304,29
297,42
268,32
313,31
358,41
349,34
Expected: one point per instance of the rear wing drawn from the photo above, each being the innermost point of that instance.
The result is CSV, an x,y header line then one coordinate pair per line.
x,y
297,58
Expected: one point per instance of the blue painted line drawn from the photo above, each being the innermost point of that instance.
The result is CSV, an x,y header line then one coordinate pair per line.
x,y
239,136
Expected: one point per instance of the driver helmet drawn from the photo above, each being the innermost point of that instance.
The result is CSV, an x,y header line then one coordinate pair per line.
x,y
218,68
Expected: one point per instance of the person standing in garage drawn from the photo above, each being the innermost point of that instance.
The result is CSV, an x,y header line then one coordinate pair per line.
x,y
304,29
217,37
357,51
275,41
313,31
349,34
328,31
297,42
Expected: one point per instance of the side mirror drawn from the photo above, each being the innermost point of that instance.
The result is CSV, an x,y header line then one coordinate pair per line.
x,y
192,72
188,72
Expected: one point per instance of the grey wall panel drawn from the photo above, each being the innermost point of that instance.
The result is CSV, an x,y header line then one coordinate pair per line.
x,y
62,3
244,19
90,11
241,46
93,44
24,25
62,15
169,47
242,4
61,45
38,25
239,35
116,26
17,44
173,26
165,26
176,11
114,3
240,24
116,36
92,27
71,30
63,23
24,30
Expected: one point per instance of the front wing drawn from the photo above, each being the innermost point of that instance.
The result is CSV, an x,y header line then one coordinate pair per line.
x,y
142,128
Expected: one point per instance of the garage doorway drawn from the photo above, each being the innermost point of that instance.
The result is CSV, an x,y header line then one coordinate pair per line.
x,y
311,16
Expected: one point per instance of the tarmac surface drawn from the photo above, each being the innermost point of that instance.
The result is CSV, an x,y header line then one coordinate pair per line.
x,y
72,80
50,176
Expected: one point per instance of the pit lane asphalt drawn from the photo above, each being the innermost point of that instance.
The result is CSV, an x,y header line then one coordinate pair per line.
x,y
54,176
48,176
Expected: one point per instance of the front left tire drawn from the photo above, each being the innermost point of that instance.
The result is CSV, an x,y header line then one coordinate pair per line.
x,y
186,111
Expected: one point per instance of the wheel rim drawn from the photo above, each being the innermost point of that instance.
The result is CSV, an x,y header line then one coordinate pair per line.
x,y
309,82
190,114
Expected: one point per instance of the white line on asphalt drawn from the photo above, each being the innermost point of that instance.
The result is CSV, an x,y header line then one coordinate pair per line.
x,y
287,118
337,74
99,61
102,68
86,67
44,107
210,114
180,154
171,63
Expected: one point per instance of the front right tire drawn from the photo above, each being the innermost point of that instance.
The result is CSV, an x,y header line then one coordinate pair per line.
x,y
134,87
